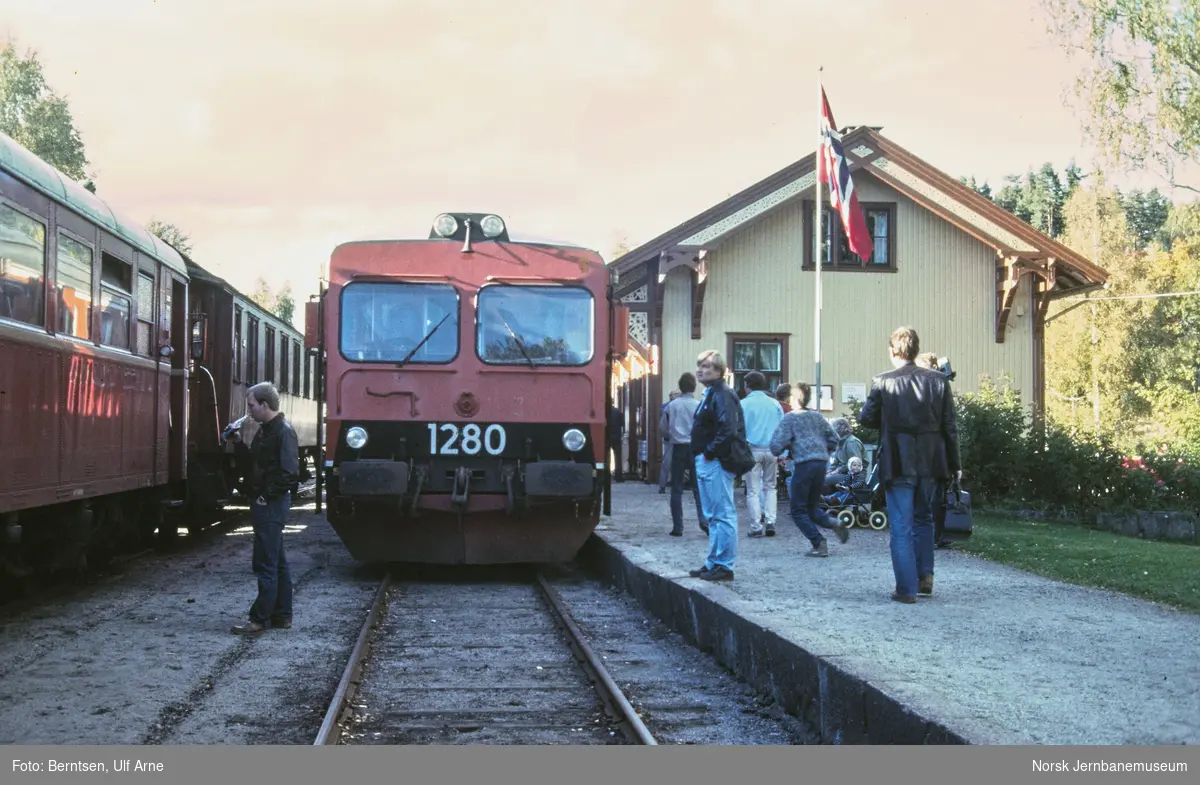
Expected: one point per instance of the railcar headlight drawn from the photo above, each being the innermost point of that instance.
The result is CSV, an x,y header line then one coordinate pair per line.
x,y
445,225
574,439
356,438
492,226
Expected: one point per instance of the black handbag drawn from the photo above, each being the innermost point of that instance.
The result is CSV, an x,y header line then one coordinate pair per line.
x,y
740,459
956,525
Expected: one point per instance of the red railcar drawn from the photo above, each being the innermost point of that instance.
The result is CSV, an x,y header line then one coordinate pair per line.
x,y
466,391
93,367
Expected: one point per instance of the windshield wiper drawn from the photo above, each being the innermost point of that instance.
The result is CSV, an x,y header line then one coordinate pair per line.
x,y
428,335
520,343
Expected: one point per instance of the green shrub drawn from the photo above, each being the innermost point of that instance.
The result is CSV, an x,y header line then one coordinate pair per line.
x,y
1010,461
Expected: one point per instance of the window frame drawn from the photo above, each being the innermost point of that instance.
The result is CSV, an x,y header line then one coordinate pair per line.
x,y
269,346
238,342
140,318
521,362
758,338
47,236
253,343
834,226
92,292
130,298
341,322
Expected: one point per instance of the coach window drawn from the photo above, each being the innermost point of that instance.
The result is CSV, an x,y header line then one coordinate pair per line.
x,y
22,267
386,322
145,314
237,343
116,299
297,380
252,350
74,287
542,325
284,365
269,354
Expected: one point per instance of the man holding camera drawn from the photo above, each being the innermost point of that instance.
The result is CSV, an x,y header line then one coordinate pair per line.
x,y
913,409
273,476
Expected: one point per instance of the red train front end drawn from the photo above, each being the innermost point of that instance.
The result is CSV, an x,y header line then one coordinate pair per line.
x,y
465,387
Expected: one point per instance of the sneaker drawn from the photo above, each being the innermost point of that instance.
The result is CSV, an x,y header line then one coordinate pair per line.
x,y
819,550
770,531
757,533
842,532
907,599
718,573
925,586
700,573
675,533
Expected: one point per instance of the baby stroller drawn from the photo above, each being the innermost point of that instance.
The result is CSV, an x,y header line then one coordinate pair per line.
x,y
863,506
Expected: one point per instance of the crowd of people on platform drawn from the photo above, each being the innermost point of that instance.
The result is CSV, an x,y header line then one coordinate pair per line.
x,y
767,436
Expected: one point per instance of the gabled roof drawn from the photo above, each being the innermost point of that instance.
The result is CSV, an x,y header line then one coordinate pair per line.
x,y
870,152
52,183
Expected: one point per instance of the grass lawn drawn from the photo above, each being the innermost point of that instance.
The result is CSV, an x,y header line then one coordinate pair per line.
x,y
1164,572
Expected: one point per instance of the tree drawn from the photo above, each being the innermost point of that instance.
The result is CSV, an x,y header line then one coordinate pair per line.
x,y
620,246
1146,212
1141,62
36,117
282,304
170,234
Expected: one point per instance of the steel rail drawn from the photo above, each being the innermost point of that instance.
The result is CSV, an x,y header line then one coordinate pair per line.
x,y
631,724
350,677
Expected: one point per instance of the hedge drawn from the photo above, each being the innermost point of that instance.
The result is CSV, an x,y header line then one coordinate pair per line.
x,y
1011,461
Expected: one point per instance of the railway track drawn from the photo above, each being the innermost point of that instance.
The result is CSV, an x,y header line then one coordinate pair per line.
x,y
493,662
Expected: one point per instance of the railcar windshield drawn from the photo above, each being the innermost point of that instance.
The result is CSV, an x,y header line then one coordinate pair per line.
x,y
387,322
535,325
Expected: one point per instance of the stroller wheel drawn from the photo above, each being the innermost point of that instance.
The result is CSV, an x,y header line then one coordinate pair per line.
x,y
847,518
878,520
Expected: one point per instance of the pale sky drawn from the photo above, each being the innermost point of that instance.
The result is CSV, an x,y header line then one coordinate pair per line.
x,y
272,130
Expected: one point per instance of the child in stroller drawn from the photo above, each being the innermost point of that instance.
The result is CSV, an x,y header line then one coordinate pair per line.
x,y
860,501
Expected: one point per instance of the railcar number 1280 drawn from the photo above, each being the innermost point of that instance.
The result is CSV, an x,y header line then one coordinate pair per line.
x,y
470,440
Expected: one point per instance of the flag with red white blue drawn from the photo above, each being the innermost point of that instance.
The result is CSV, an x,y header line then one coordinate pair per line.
x,y
832,158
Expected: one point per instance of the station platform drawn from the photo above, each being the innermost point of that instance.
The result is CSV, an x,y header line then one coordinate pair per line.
x,y
995,656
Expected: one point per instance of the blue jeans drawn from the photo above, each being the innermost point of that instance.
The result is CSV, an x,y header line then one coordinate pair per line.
x,y
274,601
681,457
805,488
716,503
910,516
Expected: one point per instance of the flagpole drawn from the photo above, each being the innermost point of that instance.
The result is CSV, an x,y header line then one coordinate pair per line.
x,y
817,237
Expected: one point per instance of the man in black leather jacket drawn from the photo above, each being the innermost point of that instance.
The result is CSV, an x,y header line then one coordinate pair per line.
x,y
718,424
913,409
273,477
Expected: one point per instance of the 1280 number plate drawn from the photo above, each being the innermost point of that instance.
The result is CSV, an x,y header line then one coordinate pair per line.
x,y
448,439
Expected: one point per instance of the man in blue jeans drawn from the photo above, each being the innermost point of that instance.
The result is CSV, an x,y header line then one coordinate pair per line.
x,y
717,425
275,469
913,409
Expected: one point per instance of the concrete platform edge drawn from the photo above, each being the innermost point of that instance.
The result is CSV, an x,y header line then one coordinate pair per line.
x,y
841,707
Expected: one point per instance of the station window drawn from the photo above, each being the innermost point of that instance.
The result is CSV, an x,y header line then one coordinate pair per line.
x,y
74,287
765,354
22,267
116,300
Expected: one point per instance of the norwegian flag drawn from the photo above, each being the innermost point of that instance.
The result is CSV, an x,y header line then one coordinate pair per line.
x,y
832,158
